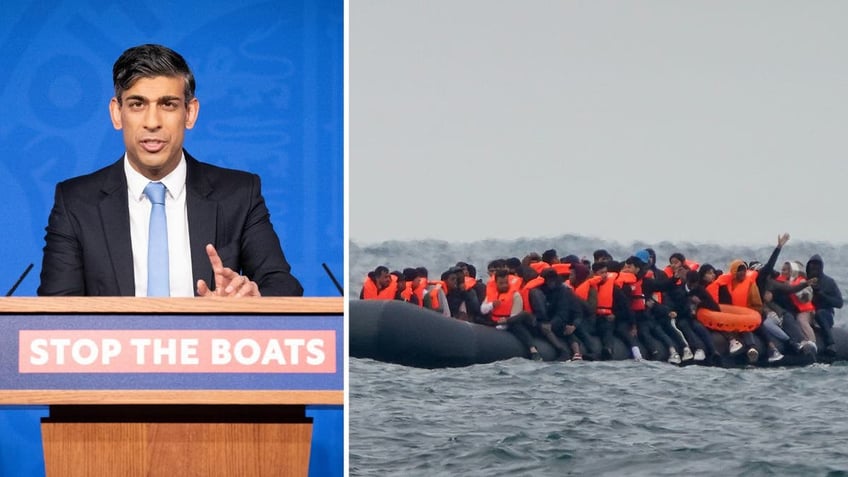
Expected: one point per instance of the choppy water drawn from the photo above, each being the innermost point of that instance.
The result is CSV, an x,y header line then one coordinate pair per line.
x,y
523,418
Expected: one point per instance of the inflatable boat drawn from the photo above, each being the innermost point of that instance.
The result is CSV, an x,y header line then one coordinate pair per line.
x,y
397,332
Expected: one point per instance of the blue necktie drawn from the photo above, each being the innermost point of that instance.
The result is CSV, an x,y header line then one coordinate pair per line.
x,y
157,243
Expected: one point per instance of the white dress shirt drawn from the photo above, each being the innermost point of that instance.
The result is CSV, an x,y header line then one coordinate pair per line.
x,y
179,249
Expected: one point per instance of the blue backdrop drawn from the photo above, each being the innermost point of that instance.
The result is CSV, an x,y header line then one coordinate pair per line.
x,y
270,84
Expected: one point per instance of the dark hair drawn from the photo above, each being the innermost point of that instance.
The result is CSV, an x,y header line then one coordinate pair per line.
x,y
410,274
149,61
497,263
549,255
613,266
679,256
421,272
600,253
380,269
472,270
501,274
513,263
704,269
599,265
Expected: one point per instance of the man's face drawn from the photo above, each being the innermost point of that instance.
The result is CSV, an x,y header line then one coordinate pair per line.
x,y
153,116
629,268
384,279
674,263
503,284
450,281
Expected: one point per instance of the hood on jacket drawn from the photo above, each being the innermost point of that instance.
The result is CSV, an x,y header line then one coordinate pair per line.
x,y
734,266
796,268
815,266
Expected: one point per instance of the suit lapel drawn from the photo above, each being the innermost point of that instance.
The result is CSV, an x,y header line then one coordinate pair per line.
x,y
202,220
115,221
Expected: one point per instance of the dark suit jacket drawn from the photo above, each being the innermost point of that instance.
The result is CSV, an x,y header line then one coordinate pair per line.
x,y
88,249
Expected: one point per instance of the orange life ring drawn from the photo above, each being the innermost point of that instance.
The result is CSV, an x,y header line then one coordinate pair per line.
x,y
730,318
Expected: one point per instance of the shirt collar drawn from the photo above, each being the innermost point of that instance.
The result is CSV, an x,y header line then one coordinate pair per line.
x,y
174,182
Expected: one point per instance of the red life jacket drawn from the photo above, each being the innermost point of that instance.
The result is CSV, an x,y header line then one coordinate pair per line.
x,y
802,307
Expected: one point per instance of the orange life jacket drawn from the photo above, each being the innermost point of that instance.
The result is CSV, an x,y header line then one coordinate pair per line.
x,y
637,296
562,268
740,292
689,264
504,309
605,289
370,292
583,289
524,291
406,294
539,266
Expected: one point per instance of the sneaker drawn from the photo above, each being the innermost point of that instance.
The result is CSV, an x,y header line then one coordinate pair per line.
x,y
637,355
577,357
536,356
700,355
687,354
674,358
735,346
809,347
753,355
774,356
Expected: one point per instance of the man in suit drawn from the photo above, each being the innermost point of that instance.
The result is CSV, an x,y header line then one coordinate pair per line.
x,y
220,241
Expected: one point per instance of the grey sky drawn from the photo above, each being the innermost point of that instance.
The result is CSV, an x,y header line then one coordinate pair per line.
x,y
700,121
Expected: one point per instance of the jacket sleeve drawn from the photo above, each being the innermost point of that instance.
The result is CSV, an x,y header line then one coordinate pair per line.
x,y
262,258
828,294
62,269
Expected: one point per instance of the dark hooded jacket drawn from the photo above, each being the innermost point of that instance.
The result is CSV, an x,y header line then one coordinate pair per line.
x,y
826,294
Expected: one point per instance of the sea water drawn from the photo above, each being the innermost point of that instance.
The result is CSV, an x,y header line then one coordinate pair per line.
x,y
525,418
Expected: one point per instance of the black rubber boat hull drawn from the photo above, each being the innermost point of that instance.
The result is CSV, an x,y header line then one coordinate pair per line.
x,y
397,332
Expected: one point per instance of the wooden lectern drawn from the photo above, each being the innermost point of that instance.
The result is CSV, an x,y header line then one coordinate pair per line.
x,y
173,387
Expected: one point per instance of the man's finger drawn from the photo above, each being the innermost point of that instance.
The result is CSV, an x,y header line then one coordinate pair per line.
x,y
214,259
203,288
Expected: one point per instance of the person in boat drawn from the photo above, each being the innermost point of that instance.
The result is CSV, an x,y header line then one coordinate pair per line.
x,y
463,303
631,280
739,288
614,307
550,256
656,284
826,297
779,321
562,316
410,277
672,305
601,255
505,310
430,294
791,291
379,285
693,296
480,285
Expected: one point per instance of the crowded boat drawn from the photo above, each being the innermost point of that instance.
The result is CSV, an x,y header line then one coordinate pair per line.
x,y
680,310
